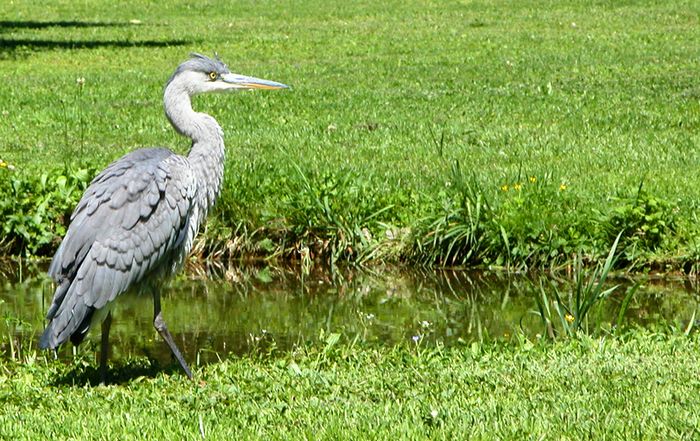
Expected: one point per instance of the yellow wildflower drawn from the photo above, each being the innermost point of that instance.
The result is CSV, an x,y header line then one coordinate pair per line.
x,y
562,187
533,179
517,187
504,187
569,318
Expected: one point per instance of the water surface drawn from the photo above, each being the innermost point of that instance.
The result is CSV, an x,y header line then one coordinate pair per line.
x,y
236,310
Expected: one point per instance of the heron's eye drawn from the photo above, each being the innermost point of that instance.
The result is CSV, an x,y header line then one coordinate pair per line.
x,y
213,76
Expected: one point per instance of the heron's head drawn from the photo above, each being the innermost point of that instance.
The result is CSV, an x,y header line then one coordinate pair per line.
x,y
201,74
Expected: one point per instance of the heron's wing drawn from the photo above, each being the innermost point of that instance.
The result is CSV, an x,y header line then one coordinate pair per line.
x,y
130,220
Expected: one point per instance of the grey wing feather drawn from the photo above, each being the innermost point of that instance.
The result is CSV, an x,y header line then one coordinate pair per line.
x,y
123,228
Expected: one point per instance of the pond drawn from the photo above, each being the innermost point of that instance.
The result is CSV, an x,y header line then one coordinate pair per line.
x,y
235,310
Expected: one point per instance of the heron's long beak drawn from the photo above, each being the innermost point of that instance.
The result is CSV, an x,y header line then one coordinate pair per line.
x,y
244,82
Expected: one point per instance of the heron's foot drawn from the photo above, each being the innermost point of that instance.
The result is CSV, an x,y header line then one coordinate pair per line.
x,y
162,329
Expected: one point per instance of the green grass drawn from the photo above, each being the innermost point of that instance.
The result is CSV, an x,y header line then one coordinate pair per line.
x,y
495,133
404,118
639,386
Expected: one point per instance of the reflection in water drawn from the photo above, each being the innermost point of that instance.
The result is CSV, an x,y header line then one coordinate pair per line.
x,y
239,310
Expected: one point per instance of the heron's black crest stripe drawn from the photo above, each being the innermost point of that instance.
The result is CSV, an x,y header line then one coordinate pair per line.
x,y
201,63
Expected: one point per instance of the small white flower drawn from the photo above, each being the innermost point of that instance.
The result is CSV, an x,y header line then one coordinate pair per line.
x,y
434,413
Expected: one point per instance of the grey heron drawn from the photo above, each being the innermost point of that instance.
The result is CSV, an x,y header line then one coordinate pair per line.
x,y
138,218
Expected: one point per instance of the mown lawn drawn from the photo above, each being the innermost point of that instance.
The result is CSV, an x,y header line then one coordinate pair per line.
x,y
470,133
639,386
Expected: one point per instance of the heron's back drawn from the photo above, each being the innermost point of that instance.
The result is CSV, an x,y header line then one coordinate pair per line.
x,y
135,222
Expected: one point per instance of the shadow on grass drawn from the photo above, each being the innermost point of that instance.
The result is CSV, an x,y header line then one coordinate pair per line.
x,y
13,47
120,373
31,24
9,45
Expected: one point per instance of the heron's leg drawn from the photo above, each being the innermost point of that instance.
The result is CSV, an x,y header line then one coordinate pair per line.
x,y
159,324
104,347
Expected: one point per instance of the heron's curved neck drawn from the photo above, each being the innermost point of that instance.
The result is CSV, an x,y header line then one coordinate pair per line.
x,y
200,127
207,153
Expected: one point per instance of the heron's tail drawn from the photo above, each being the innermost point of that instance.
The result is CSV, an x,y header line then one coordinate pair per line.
x,y
54,337
66,320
